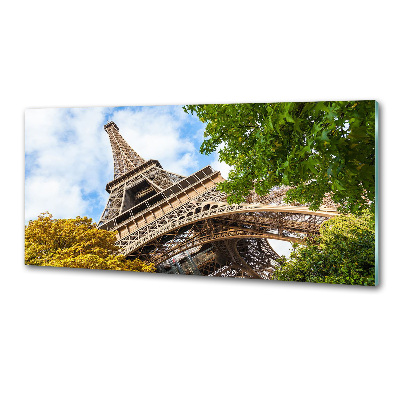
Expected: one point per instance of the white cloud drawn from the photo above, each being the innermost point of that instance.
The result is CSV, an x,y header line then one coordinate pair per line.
x,y
282,247
220,165
55,195
155,133
69,158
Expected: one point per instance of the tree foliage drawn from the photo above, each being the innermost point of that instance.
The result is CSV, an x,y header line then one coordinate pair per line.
x,y
316,148
344,252
75,243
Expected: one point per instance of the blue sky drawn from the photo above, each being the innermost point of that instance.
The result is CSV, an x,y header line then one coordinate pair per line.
x,y
68,158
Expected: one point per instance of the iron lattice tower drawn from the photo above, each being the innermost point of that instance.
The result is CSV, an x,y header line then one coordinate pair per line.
x,y
185,226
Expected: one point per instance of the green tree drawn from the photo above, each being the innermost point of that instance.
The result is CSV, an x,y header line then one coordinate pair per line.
x,y
344,252
315,148
75,243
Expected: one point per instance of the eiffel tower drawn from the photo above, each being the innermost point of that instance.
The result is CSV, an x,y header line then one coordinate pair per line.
x,y
184,225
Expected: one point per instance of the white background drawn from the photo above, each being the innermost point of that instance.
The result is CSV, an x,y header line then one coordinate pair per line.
x,y
70,334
